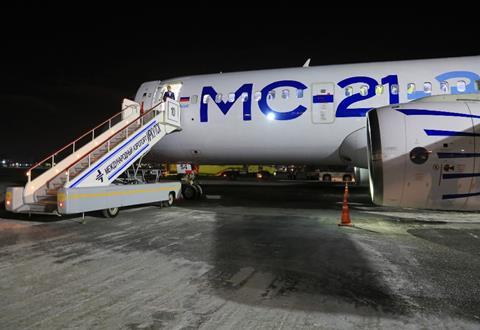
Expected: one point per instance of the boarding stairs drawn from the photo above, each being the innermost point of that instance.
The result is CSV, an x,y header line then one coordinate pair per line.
x,y
100,155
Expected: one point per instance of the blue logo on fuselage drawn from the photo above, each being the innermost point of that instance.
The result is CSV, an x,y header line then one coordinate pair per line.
x,y
345,107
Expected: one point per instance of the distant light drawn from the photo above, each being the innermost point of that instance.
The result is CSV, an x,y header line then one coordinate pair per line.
x,y
271,116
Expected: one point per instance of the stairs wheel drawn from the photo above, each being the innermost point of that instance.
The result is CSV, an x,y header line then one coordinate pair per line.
x,y
171,199
110,213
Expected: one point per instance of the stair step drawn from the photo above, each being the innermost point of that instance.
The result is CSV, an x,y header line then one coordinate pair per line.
x,y
46,202
42,197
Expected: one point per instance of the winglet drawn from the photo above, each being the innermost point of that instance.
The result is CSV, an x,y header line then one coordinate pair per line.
x,y
307,63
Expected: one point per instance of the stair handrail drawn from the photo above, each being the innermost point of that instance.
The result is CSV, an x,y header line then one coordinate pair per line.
x,y
67,170
91,131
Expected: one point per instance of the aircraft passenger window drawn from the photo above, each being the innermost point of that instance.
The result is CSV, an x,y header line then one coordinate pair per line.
x,y
205,99
194,99
427,87
231,97
244,97
477,84
364,90
349,91
461,86
218,98
379,89
271,95
285,94
394,89
257,96
299,93
444,87
411,88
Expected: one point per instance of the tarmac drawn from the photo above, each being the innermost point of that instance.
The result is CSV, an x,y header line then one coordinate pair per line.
x,y
267,255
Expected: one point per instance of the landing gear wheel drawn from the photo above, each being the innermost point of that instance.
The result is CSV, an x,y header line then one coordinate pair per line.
x,y
189,192
199,190
171,199
110,213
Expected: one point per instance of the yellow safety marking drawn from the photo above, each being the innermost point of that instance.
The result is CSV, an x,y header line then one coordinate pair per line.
x,y
8,196
119,193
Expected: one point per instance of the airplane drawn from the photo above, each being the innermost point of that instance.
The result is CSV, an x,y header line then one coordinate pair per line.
x,y
413,124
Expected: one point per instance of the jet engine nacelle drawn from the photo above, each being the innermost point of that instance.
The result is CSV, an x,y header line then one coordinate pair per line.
x,y
426,153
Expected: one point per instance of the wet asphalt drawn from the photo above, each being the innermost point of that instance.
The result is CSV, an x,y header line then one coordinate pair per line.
x,y
249,255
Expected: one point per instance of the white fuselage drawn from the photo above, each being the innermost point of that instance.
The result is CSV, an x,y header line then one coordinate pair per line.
x,y
312,111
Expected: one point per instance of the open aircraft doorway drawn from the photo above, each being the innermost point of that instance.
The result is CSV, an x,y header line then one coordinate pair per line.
x,y
162,89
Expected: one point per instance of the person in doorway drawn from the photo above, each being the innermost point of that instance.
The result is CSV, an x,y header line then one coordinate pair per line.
x,y
168,94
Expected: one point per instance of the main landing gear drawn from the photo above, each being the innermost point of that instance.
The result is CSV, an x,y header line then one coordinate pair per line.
x,y
191,189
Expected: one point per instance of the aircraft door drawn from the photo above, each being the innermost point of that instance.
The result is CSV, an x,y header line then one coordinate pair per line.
x,y
174,92
145,94
323,103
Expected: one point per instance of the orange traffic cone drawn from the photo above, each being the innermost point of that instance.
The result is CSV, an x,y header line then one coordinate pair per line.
x,y
345,210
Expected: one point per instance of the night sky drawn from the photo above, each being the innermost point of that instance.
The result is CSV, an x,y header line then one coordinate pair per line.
x,y
63,74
